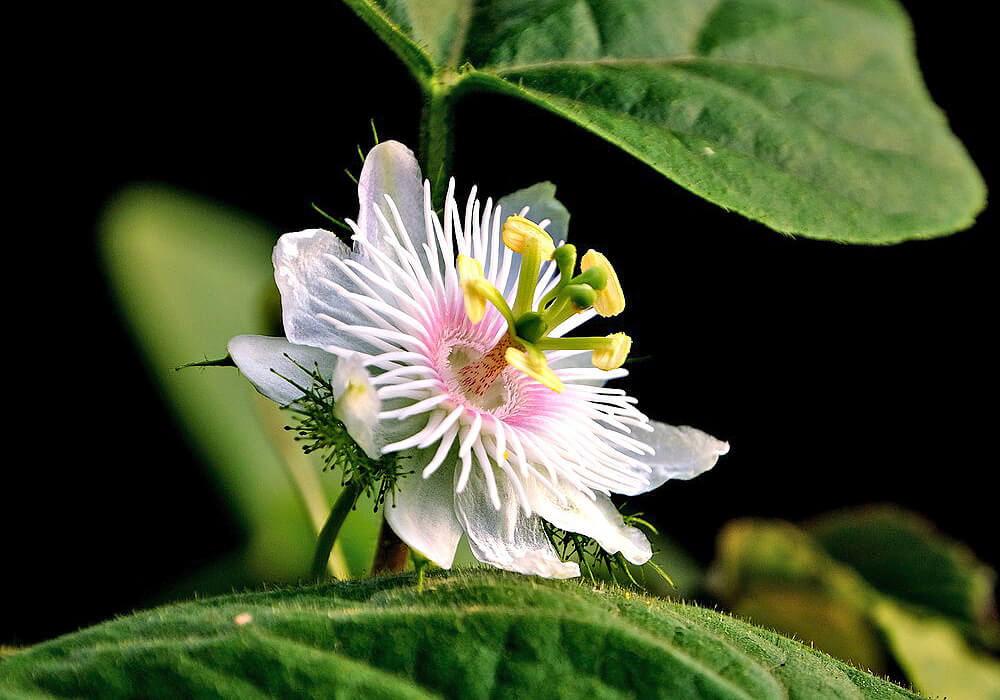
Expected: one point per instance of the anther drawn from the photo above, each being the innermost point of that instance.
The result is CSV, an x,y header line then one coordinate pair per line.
x,y
519,232
610,300
470,275
612,356
532,362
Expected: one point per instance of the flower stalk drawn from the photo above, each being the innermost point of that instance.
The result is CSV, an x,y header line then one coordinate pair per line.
x,y
331,528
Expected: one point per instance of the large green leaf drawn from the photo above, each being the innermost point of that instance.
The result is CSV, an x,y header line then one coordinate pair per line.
x,y
809,116
189,275
781,576
470,635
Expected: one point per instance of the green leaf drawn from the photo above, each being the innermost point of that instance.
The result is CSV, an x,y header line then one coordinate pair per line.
x,y
470,635
809,116
780,575
901,555
936,657
188,275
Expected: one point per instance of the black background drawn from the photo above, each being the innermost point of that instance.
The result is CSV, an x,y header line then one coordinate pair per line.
x,y
841,375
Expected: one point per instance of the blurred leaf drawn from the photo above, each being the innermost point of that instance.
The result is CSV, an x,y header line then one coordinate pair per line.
x,y
774,573
188,275
474,634
936,657
781,575
810,117
901,555
837,629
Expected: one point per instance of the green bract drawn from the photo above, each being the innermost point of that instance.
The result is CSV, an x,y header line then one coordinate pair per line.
x,y
809,116
468,635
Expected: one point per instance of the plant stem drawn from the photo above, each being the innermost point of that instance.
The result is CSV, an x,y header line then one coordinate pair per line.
x,y
435,136
328,535
391,553
301,472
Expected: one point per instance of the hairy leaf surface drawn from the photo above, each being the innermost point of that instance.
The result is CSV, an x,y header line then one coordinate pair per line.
x,y
472,635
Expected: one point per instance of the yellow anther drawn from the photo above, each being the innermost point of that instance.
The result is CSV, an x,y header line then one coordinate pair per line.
x,y
470,275
613,356
517,231
610,300
532,362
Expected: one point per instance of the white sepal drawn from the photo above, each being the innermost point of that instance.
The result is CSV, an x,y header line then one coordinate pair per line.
x,y
422,511
265,362
506,537
597,518
682,452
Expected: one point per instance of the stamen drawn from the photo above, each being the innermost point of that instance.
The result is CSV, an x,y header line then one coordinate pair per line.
x,y
470,273
613,357
611,299
527,238
519,231
609,352
532,362
478,292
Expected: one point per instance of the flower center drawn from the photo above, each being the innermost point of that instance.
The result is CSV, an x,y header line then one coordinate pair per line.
x,y
523,346
479,376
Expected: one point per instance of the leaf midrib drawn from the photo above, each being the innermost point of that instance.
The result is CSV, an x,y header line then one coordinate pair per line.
x,y
539,94
851,83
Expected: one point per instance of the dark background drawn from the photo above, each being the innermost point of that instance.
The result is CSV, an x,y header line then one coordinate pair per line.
x,y
841,375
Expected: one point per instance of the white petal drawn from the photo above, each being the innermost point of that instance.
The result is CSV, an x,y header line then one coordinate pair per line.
x,y
424,512
391,169
257,355
542,203
596,518
356,403
506,538
300,268
682,452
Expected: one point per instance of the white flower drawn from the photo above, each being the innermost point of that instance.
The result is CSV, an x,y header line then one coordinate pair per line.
x,y
504,420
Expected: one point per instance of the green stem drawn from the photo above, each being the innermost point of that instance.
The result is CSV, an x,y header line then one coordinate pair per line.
x,y
328,535
435,137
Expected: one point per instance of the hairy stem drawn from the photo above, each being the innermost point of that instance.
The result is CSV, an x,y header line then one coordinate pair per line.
x,y
390,554
328,535
436,137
